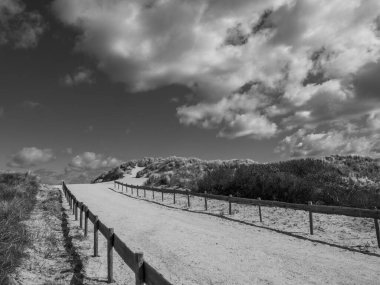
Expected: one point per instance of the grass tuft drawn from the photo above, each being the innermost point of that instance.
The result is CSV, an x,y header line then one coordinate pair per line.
x,y
17,199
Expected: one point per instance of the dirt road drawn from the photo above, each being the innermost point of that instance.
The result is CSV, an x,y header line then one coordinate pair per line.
x,y
191,248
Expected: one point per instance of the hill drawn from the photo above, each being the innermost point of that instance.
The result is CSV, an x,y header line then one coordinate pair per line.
x,y
333,180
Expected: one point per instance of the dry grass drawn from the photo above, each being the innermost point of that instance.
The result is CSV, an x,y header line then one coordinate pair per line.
x,y
17,199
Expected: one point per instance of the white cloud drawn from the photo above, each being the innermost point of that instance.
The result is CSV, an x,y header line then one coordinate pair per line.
x,y
31,105
91,161
252,125
344,139
31,156
20,28
305,54
174,100
81,75
236,116
374,120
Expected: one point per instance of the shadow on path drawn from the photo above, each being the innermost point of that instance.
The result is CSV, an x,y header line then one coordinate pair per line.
x,y
75,261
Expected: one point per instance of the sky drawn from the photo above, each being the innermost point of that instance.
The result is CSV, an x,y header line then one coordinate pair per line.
x,y
86,84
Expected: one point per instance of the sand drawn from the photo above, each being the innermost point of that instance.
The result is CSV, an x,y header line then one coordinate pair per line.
x,y
194,248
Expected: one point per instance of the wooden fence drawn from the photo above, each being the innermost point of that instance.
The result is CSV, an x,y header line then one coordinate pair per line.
x,y
144,273
310,208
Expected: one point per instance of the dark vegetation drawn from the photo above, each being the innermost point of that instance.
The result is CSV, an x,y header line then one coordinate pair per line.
x,y
344,181
335,180
111,175
17,199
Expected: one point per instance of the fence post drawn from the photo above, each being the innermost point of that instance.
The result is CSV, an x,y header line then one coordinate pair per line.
x,y
377,230
188,198
230,205
81,215
311,218
144,193
76,210
205,201
132,189
96,228
153,194
162,196
70,202
114,184
174,198
261,217
85,221
110,239
139,270
74,201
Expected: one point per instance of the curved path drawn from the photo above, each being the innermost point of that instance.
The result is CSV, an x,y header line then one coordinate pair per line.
x,y
191,248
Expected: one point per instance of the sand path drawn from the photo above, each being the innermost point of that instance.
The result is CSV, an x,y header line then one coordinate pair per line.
x,y
191,248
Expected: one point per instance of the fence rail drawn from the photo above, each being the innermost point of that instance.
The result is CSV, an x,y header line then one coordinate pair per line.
x,y
310,208
144,272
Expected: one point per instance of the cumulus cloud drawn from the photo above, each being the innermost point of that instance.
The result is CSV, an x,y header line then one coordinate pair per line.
x,y
236,116
31,105
304,143
81,169
92,161
31,156
19,27
81,75
260,69
359,136
373,120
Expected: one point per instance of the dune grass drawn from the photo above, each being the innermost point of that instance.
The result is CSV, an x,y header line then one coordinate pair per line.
x,y
17,199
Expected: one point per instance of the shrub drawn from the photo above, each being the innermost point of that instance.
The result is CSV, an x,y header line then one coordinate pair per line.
x,y
111,175
299,181
17,199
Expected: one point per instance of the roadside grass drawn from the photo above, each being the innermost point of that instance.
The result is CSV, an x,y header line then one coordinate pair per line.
x,y
52,208
17,199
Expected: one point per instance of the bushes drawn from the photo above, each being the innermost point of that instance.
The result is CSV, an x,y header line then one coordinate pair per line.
x,y
298,181
17,199
111,175
334,180
218,181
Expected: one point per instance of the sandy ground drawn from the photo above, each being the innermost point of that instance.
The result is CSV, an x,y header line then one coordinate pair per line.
x,y
194,248
46,260
349,232
94,268
131,178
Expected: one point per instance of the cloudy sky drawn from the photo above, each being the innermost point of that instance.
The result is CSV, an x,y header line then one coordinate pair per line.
x,y
85,84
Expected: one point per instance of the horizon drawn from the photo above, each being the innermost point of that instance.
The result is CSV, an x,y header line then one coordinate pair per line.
x,y
86,85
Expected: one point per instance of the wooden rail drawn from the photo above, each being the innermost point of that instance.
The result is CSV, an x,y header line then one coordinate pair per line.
x,y
144,272
310,207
